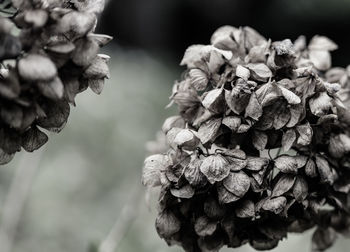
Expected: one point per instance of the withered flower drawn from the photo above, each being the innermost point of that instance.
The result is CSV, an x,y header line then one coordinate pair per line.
x,y
260,148
48,54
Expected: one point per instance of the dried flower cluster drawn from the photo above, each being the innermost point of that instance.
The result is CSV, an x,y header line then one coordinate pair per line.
x,y
48,54
260,148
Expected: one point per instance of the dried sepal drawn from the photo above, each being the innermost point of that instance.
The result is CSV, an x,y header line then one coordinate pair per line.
x,y
322,239
193,174
305,134
185,192
33,139
5,157
186,139
173,122
153,166
300,189
199,79
259,71
208,130
167,224
288,139
257,163
254,109
237,183
204,227
275,205
324,170
215,168
321,104
290,164
35,67
225,196
283,185
245,209
260,140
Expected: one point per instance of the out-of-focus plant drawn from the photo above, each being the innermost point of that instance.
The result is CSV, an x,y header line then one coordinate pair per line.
x,y
48,54
260,148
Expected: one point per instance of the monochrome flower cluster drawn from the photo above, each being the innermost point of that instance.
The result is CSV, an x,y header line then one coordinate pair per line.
x,y
48,54
260,147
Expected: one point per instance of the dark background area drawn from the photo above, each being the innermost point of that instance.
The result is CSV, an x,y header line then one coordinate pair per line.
x,y
165,28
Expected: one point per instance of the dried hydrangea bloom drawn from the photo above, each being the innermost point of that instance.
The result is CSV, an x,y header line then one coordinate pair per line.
x,y
260,148
48,54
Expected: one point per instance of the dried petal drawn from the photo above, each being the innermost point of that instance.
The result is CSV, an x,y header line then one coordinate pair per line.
x,y
257,163
153,166
213,101
185,192
35,67
215,168
283,185
98,68
288,139
310,168
93,6
96,85
323,239
290,96
242,72
193,174
320,59
245,209
321,104
324,170
275,205
322,43
167,224
199,79
237,183
254,109
225,196
186,139
208,130
204,227
233,122
259,71
56,116
173,122
260,140
5,157
305,134
236,164
289,164
300,189
33,139
53,89
339,145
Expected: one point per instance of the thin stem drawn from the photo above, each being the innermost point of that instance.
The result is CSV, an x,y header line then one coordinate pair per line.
x,y
16,198
121,226
278,152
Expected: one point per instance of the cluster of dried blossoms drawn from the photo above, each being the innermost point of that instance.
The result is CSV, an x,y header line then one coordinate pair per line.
x,y
260,148
48,54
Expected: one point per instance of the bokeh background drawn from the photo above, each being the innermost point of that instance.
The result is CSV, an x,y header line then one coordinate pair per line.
x,y
88,177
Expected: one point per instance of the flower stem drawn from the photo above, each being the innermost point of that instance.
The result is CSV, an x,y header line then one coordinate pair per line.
x,y
16,198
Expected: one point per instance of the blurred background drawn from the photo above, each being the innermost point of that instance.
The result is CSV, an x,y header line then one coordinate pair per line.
x,y
88,176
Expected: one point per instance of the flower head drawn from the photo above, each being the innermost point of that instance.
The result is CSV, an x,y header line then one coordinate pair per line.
x,y
48,54
261,145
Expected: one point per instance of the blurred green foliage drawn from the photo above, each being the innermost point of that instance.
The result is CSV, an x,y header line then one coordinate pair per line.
x,y
92,168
